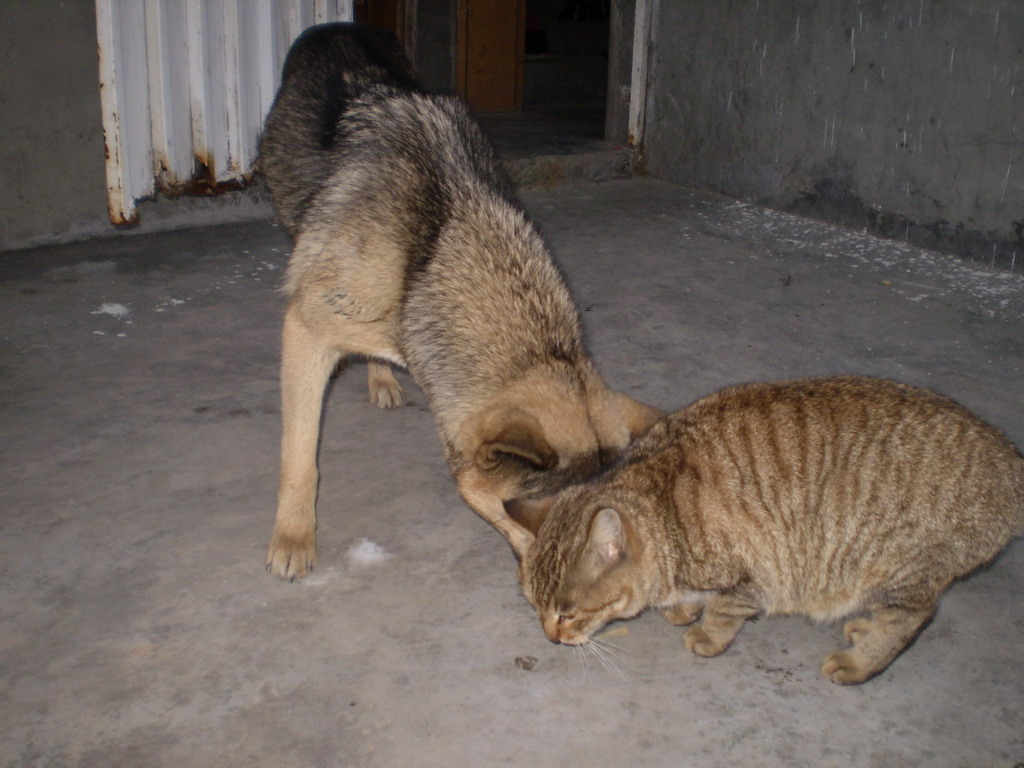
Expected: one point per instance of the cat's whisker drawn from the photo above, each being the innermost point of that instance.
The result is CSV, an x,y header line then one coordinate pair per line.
x,y
584,659
607,657
606,649
589,652
606,644
584,653
612,666
603,641
580,653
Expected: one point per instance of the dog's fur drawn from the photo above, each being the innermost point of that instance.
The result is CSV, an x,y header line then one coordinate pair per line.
x,y
411,249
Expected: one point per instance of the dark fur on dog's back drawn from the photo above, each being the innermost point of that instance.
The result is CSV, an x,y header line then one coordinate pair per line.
x,y
418,158
327,67
410,248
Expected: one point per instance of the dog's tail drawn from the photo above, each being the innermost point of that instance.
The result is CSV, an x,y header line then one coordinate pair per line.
x,y
327,67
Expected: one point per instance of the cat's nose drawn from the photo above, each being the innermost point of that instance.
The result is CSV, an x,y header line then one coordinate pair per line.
x,y
551,631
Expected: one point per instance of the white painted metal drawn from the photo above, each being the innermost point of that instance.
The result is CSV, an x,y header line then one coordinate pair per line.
x,y
185,85
120,27
161,121
292,21
238,144
328,10
112,95
167,71
267,66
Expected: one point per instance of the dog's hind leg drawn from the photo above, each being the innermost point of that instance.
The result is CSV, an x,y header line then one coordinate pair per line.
x,y
385,391
306,365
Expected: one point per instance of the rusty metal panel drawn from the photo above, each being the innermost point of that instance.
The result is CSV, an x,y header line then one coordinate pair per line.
x,y
168,85
185,85
124,106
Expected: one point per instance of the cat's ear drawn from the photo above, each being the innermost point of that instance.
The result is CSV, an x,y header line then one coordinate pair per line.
x,y
529,513
607,542
516,436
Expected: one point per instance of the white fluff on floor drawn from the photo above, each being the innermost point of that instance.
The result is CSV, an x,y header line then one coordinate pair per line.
x,y
365,552
114,310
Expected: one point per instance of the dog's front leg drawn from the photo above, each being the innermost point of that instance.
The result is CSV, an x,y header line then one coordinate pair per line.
x,y
385,391
306,364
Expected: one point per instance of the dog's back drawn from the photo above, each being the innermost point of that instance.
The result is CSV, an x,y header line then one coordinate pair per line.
x,y
327,67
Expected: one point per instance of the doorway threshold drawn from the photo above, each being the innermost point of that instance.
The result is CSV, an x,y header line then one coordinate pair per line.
x,y
553,144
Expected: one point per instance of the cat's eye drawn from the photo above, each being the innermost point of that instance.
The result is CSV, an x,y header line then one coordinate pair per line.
x,y
563,618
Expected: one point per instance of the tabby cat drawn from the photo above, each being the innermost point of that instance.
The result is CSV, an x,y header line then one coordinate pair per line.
x,y
823,497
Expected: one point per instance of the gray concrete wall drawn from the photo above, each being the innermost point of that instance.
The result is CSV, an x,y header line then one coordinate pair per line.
x,y
52,184
899,116
52,176
903,117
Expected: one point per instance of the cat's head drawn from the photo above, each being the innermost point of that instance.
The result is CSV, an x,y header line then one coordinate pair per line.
x,y
579,563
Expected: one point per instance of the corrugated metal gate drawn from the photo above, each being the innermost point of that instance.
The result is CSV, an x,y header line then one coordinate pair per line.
x,y
185,85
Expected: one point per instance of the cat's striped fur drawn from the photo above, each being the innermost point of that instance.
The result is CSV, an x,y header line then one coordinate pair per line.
x,y
823,497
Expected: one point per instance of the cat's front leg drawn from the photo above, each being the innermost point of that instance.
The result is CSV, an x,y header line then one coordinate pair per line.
x,y
686,611
682,614
723,617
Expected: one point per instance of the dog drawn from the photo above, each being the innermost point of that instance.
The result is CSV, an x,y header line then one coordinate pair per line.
x,y
410,249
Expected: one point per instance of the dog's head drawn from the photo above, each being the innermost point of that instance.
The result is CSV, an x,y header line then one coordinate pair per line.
x,y
540,435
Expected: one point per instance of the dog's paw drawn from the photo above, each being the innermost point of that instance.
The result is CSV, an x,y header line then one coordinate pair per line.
x,y
387,395
385,391
291,557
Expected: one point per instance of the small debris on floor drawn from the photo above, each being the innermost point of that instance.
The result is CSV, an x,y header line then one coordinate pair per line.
x,y
366,552
119,311
614,632
526,662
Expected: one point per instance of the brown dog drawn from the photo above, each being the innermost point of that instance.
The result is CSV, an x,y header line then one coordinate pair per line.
x,y
410,249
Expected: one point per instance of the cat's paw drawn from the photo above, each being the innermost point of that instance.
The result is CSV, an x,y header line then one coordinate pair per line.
x,y
682,614
697,641
856,629
846,668
291,557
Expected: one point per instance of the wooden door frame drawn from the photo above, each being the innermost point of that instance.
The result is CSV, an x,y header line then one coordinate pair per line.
x,y
461,48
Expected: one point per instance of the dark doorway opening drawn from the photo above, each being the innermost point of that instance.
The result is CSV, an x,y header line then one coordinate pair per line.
x,y
534,72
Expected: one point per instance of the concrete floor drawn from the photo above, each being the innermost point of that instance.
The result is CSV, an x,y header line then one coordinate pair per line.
x,y
138,461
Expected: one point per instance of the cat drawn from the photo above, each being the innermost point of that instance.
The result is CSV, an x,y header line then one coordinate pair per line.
x,y
823,497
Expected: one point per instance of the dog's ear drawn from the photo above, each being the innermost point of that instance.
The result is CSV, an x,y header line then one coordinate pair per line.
x,y
516,436
526,515
529,514
638,416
